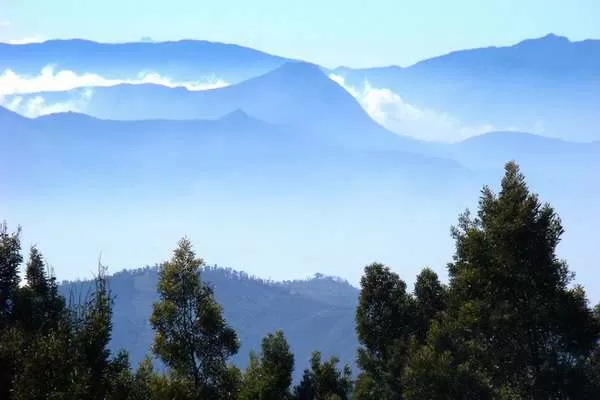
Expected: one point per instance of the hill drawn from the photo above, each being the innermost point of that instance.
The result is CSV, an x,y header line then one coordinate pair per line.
x,y
310,317
184,60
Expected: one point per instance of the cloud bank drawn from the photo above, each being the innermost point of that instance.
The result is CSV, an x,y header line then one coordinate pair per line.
x,y
27,40
390,110
12,85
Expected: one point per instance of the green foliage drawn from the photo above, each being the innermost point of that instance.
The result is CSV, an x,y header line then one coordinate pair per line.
x,y
511,292
430,298
192,337
10,260
385,323
324,381
270,376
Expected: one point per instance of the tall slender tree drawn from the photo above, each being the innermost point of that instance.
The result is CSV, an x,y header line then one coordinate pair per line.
x,y
191,336
10,261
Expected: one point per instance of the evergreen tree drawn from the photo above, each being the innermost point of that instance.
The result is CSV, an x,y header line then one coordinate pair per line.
x,y
430,299
513,319
324,381
191,335
270,376
39,300
385,323
94,336
10,260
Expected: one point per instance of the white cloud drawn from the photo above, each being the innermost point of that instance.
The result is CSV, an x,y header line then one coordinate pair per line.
x,y
37,106
49,80
5,24
27,40
390,110
13,85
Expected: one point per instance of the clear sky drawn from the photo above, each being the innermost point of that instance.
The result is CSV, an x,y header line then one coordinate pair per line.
x,y
329,32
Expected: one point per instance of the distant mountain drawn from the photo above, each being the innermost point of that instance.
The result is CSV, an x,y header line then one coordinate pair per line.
x,y
534,153
310,317
296,95
550,84
181,60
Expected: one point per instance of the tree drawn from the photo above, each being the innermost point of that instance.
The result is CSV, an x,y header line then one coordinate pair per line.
x,y
10,260
93,337
430,299
270,376
40,305
191,335
514,313
385,323
434,372
324,381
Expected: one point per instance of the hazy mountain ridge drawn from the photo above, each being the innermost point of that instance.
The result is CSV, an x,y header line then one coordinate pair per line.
x,y
254,307
183,59
549,83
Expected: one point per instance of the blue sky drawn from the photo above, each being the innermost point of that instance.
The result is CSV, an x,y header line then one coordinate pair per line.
x,y
331,32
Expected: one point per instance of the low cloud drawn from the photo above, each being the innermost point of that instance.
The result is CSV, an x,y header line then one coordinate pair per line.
x,y
27,40
49,80
37,106
4,24
390,110
13,86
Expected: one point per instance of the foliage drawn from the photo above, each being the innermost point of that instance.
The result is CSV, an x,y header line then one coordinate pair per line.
x,y
324,381
192,337
270,376
385,323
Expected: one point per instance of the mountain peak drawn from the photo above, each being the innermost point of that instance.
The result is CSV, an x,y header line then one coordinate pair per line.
x,y
549,39
299,70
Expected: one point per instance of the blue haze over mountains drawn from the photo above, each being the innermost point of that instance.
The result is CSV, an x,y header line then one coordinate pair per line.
x,y
284,173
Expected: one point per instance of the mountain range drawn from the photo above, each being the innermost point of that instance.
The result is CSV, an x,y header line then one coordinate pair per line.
x,y
548,84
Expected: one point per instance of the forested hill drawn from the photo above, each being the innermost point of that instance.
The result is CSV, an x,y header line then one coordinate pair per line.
x,y
315,314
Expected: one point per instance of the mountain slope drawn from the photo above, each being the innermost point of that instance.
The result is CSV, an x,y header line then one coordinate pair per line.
x,y
251,306
183,60
298,95
549,84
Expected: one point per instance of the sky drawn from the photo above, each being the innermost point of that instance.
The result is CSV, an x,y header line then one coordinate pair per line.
x,y
332,33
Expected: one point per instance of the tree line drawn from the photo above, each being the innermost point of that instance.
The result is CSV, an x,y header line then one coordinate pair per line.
x,y
510,324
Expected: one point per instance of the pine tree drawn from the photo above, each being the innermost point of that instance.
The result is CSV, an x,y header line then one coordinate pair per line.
x,y
191,335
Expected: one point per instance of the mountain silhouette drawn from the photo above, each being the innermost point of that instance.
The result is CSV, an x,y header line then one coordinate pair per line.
x,y
550,82
296,95
182,59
